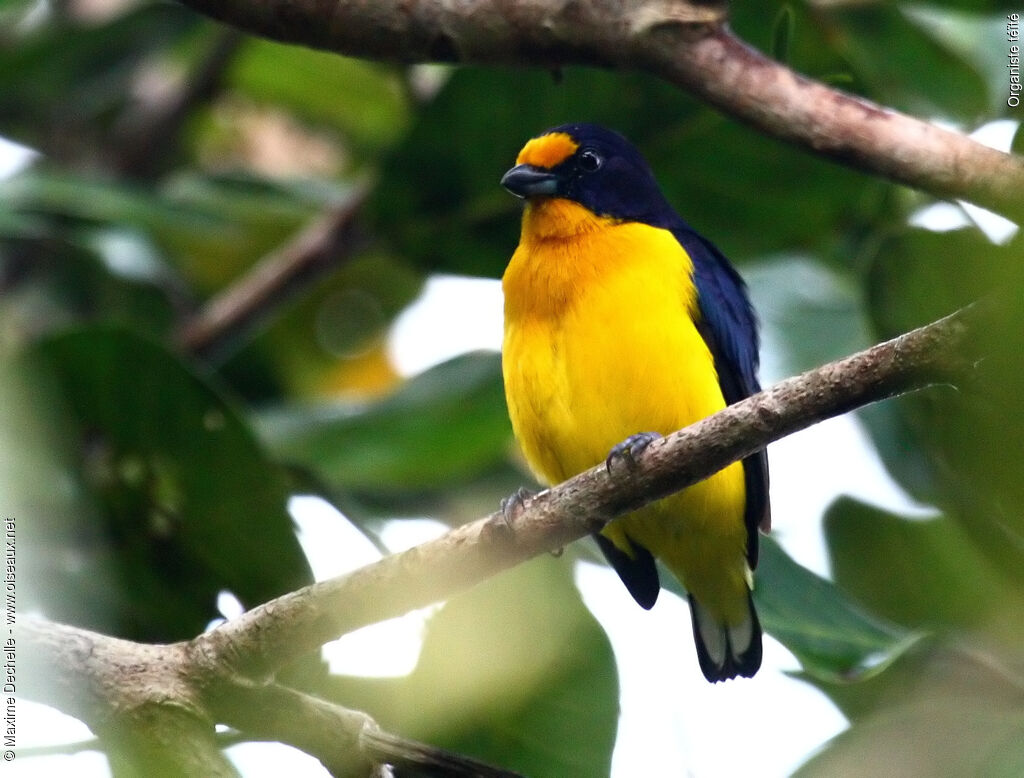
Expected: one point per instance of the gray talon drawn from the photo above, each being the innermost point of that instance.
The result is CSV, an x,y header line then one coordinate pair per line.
x,y
513,504
630,448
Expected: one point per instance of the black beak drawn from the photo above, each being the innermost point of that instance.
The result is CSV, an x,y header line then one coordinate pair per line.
x,y
530,181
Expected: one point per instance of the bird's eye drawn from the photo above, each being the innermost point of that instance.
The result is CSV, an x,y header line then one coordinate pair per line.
x,y
590,160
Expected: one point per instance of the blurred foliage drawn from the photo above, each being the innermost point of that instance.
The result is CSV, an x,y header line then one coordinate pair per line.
x,y
150,444
526,673
833,638
438,430
171,155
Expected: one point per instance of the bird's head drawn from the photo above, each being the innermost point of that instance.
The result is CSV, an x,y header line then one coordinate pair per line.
x,y
594,167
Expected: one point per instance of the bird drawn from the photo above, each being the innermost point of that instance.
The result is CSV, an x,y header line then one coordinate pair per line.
x,y
623,324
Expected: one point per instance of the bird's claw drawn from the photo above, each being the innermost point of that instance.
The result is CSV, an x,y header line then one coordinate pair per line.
x,y
629,449
499,528
512,505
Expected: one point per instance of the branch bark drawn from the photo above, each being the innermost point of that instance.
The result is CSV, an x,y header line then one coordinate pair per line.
x,y
154,707
133,696
686,42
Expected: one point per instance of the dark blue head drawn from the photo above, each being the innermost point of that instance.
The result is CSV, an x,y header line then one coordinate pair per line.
x,y
592,166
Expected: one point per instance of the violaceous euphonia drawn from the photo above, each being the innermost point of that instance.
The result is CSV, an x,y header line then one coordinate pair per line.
x,y
622,324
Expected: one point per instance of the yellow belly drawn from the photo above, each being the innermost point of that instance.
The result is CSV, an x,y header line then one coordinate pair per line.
x,y
600,344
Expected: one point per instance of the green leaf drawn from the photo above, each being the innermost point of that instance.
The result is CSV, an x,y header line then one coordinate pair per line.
x,y
959,448
900,64
19,225
174,500
94,62
783,30
956,730
981,39
923,574
74,275
812,52
442,427
212,227
833,638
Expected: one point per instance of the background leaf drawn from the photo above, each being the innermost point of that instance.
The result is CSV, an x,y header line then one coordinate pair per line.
x,y
934,576
831,636
440,428
166,477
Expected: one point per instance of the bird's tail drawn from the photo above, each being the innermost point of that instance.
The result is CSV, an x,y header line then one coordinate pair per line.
x,y
726,651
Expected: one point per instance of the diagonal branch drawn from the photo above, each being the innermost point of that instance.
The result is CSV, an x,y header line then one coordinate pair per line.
x,y
276,279
685,42
154,707
347,742
268,711
269,636
148,137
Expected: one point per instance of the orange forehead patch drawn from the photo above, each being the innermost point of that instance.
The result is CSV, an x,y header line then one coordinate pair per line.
x,y
547,150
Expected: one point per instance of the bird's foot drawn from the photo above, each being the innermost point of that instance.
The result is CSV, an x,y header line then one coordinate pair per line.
x,y
500,527
629,449
512,505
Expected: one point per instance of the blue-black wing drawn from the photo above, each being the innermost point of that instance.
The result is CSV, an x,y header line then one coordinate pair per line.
x,y
729,327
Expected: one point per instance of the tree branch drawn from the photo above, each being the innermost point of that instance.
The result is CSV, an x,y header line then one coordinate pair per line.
x,y
427,760
154,707
347,742
132,695
269,711
320,249
148,136
269,636
685,42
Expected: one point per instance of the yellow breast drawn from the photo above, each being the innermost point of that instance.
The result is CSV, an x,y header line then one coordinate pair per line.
x,y
600,340
601,343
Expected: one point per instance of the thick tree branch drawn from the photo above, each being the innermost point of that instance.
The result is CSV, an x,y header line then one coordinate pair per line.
x,y
154,707
745,84
685,42
276,279
134,696
269,636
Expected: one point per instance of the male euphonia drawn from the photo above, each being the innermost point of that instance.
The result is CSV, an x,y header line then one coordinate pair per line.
x,y
622,324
